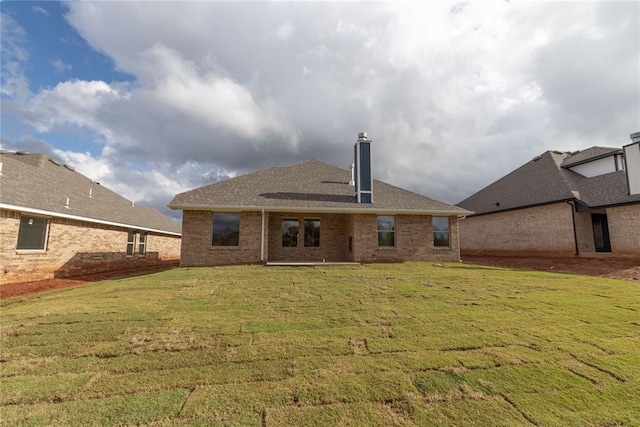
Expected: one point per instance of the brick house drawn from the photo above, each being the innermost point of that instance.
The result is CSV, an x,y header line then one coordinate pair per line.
x,y
55,222
314,212
584,203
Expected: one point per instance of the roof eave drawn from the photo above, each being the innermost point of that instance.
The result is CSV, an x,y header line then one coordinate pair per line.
x,y
82,218
362,210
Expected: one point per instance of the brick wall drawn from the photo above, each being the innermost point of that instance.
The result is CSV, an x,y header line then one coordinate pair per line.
x,y
76,248
413,238
334,240
540,230
196,240
624,229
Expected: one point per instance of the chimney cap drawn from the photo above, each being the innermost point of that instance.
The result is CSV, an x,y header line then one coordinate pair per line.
x,y
362,135
635,137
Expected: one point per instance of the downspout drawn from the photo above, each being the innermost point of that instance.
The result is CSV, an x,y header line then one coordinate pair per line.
x,y
262,239
575,233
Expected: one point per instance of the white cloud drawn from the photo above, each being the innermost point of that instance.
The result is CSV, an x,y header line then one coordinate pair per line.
x,y
454,95
285,31
40,10
61,66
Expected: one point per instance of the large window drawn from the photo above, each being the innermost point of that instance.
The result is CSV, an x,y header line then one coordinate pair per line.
x,y
311,233
290,233
32,234
386,230
440,231
226,229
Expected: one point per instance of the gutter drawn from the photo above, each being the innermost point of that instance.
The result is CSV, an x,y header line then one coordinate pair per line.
x,y
372,210
575,233
82,218
262,239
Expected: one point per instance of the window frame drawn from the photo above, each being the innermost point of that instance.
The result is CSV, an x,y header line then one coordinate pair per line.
x,y
297,234
44,237
131,243
216,244
304,231
391,232
142,243
438,231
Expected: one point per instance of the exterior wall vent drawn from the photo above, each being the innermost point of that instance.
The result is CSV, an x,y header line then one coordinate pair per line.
x,y
71,168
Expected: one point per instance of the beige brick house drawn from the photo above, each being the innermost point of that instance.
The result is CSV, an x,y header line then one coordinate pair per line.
x,y
314,212
584,203
55,222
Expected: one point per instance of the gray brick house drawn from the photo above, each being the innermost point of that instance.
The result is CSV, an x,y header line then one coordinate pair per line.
x,y
584,203
56,222
314,212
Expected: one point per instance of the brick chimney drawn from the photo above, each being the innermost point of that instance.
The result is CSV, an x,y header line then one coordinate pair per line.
x,y
632,163
363,174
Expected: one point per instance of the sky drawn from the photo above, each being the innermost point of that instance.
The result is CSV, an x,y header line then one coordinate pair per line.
x,y
155,98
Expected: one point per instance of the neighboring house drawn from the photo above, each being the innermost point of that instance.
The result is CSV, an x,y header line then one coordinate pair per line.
x,y
55,222
581,203
314,212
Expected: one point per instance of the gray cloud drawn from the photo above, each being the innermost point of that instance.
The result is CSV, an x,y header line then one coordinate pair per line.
x,y
453,95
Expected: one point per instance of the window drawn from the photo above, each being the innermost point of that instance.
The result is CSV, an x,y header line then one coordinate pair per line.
x,y
131,242
289,233
440,231
311,233
226,229
386,231
142,244
32,234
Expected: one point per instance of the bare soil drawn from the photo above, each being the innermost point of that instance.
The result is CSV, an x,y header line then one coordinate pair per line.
x,y
12,290
617,268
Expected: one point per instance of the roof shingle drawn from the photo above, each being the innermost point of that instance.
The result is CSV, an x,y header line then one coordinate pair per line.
x,y
546,179
35,181
313,186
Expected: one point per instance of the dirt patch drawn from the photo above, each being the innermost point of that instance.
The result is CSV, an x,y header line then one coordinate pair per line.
x,y
12,290
617,268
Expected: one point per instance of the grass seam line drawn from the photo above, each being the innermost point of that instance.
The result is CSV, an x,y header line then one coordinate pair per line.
x,y
191,390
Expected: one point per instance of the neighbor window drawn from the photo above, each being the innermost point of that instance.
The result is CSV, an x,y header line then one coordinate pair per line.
x,y
226,229
386,230
440,231
290,233
32,233
311,233
142,244
131,242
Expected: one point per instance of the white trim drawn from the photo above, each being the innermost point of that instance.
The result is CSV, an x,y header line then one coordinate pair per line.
x,y
362,209
82,218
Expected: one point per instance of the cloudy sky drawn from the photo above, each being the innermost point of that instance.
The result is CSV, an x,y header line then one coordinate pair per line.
x,y
155,98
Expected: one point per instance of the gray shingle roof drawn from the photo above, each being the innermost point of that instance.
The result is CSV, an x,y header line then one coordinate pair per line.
x,y
545,180
589,154
34,181
312,186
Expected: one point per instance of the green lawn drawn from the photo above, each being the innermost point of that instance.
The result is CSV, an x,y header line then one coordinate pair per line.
x,y
384,344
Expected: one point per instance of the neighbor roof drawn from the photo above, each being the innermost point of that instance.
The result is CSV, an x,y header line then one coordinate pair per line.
x,y
546,179
589,155
312,186
38,184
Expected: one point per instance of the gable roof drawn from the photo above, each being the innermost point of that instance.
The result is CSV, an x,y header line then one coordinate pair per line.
x,y
38,184
311,186
547,179
589,155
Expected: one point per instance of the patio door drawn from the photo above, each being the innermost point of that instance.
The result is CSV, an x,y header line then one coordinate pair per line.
x,y
601,232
